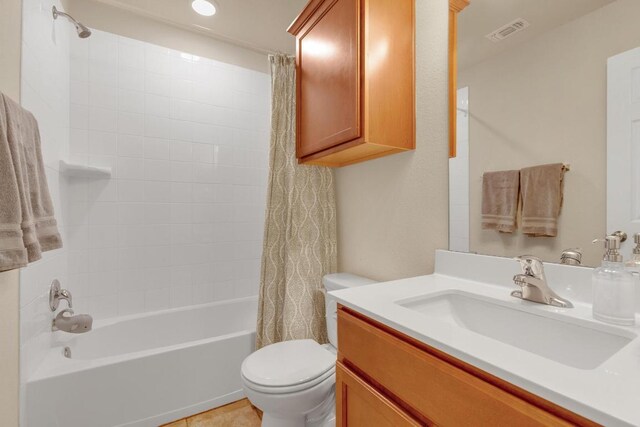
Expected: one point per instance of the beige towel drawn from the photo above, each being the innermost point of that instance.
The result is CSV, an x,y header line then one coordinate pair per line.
x,y
541,188
27,224
500,200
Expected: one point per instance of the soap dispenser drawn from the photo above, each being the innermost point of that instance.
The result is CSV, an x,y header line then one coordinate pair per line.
x,y
613,287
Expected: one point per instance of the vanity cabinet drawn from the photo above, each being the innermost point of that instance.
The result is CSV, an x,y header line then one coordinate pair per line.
x,y
386,378
355,80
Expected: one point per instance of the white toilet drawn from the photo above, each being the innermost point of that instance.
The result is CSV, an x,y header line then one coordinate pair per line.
x,y
293,382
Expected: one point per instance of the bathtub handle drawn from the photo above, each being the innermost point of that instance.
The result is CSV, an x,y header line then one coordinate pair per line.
x,y
56,293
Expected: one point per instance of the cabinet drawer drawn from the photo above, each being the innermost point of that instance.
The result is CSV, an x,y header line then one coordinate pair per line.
x,y
441,392
358,404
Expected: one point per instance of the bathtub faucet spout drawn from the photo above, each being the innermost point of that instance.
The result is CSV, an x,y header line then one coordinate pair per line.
x,y
73,323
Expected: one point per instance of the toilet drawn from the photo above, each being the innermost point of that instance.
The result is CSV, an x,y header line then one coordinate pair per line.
x,y
293,382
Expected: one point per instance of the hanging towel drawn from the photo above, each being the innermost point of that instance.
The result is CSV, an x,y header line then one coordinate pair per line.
x,y
541,188
500,200
27,223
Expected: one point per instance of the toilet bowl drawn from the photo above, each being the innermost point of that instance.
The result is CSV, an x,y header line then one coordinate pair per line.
x,y
293,382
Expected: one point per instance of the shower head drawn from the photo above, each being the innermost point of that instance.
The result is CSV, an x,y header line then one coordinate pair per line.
x,y
83,31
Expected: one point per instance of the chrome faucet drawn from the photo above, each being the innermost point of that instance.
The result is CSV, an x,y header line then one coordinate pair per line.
x,y
56,293
534,285
66,320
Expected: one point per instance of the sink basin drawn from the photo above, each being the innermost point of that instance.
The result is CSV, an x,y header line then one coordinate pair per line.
x,y
573,342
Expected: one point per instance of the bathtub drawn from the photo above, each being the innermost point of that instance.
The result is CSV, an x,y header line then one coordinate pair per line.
x,y
144,370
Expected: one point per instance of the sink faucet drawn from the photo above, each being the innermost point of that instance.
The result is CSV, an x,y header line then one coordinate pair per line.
x,y
534,284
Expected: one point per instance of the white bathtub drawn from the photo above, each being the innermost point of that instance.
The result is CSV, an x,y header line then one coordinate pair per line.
x,y
144,370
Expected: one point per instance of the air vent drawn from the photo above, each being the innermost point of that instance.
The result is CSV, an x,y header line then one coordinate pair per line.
x,y
507,30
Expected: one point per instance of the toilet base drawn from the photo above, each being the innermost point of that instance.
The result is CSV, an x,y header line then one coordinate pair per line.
x,y
274,421
323,415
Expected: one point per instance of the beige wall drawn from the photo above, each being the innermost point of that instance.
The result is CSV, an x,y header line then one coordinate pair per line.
x,y
111,19
392,212
10,37
545,102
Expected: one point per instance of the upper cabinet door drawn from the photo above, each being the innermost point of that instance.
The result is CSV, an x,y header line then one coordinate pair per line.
x,y
356,80
328,77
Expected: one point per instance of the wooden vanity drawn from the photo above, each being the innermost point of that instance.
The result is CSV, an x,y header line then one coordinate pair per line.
x,y
385,378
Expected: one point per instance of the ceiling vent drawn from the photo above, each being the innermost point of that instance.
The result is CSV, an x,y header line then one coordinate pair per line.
x,y
507,30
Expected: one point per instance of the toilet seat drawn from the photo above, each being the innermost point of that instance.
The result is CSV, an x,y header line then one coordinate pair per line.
x,y
288,367
329,375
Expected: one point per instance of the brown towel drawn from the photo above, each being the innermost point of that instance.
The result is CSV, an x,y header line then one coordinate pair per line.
x,y
27,224
500,200
541,188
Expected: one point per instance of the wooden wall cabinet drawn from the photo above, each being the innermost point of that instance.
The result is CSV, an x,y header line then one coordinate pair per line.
x,y
355,65
384,378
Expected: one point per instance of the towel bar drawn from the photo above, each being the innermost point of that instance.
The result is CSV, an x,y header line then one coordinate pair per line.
x,y
566,167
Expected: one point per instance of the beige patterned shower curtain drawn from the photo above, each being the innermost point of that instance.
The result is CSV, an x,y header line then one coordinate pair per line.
x,y
300,227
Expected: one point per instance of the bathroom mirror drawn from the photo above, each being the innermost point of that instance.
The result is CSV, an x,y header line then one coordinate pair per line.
x,y
532,90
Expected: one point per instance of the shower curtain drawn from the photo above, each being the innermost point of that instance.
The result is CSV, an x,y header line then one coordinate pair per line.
x,y
300,227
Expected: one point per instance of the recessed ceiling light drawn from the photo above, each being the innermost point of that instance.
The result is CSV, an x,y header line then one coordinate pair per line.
x,y
204,7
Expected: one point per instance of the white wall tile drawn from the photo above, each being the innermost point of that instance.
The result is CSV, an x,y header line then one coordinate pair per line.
x,y
157,105
130,168
181,89
103,143
131,78
131,101
157,127
182,130
157,84
79,116
131,123
203,153
102,190
130,54
102,74
79,141
130,302
157,148
157,170
102,96
181,151
156,191
181,172
130,190
130,146
103,119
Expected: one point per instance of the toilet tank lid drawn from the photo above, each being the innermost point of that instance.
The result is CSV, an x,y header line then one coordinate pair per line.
x,y
335,281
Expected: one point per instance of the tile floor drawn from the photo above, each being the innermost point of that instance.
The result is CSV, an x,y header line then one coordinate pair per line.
x,y
236,414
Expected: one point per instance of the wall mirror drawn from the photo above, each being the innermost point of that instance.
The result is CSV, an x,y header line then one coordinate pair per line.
x,y
542,82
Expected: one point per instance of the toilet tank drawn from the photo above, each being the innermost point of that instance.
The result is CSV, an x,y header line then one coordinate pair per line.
x,y
334,282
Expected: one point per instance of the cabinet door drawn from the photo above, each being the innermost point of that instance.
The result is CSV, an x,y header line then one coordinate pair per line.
x,y
329,77
360,405
441,392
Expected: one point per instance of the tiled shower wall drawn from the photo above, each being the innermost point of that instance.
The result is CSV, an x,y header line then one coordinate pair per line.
x,y
180,221
44,92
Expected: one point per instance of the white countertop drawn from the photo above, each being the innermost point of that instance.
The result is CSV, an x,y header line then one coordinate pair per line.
x,y
608,394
